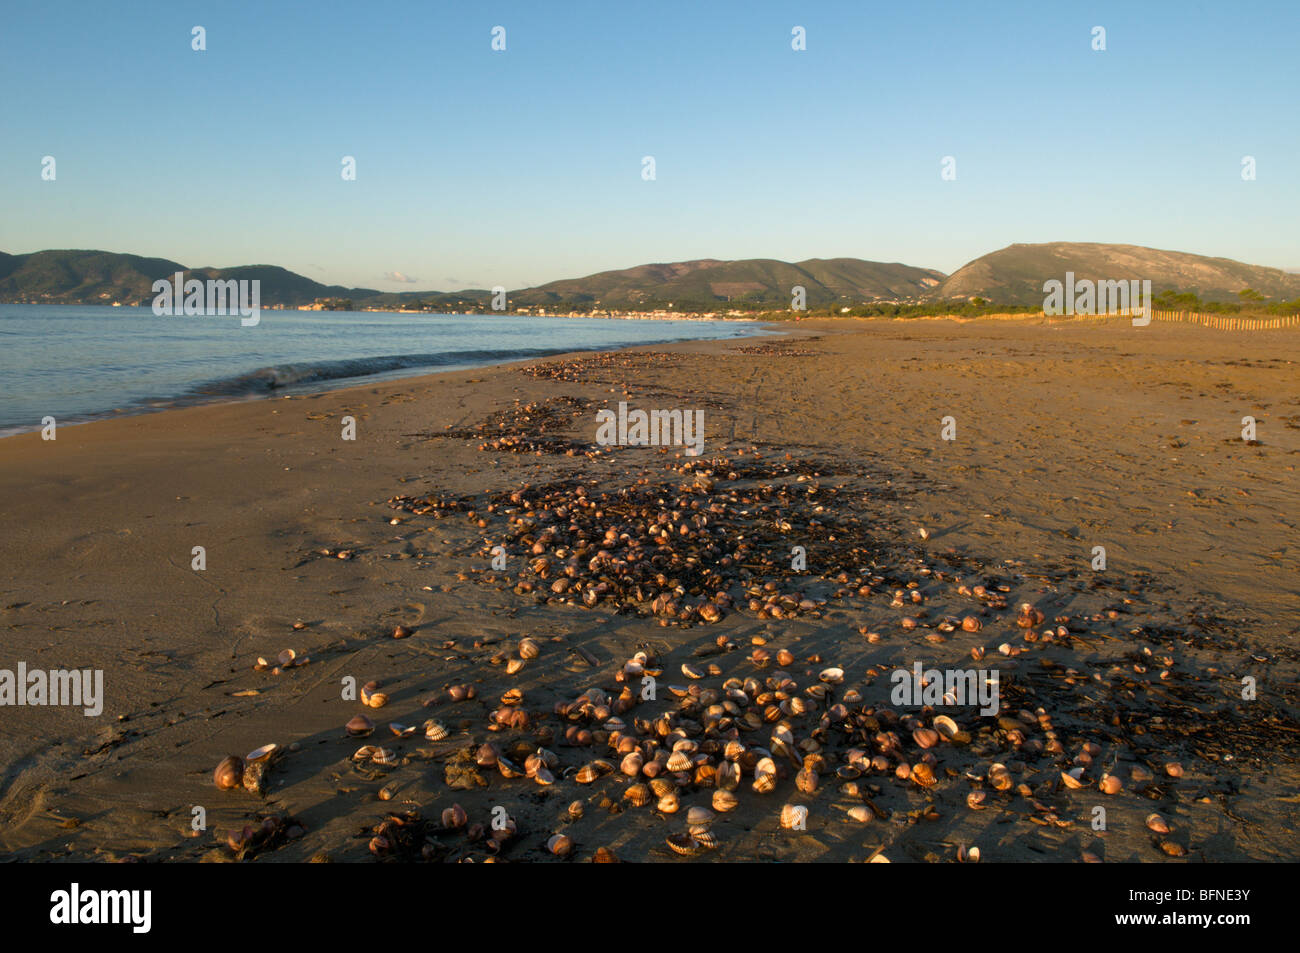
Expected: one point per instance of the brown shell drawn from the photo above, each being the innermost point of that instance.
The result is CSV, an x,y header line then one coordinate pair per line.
x,y
360,726
229,774
683,844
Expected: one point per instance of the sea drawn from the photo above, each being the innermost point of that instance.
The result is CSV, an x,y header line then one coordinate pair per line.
x,y
80,363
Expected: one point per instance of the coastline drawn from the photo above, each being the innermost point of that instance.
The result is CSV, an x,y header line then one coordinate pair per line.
x,y
1052,456
202,394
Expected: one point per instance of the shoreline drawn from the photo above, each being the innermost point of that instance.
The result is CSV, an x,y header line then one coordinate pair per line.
x,y
181,402
1067,436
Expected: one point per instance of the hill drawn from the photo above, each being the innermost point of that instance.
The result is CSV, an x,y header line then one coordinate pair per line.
x,y
77,276
709,284
1012,276
1015,274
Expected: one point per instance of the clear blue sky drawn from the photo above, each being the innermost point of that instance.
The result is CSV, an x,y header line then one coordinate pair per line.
x,y
477,168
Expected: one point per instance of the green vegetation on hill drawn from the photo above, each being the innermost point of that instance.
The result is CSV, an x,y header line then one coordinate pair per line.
x,y
1016,274
98,277
1006,281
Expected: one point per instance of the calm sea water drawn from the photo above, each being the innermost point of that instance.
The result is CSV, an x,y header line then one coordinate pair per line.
x,y
78,363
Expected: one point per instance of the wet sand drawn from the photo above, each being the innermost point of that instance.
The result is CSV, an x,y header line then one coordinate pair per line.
x,y
1067,438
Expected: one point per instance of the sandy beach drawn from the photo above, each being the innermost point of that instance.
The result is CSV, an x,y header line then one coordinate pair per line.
x,y
1067,438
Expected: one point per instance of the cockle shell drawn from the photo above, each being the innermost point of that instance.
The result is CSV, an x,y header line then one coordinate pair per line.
x,y
632,764
923,774
1157,823
679,761
705,838
594,770
262,753
683,844
724,801
638,795
794,816
435,730
528,648
229,773
728,777
662,787
806,781
360,726
946,727
454,817
698,816
560,845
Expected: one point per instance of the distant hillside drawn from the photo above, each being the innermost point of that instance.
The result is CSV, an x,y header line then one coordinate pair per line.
x,y
1012,276
100,277
710,284
1015,274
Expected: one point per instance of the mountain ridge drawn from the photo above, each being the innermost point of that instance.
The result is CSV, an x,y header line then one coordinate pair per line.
x,y
1013,275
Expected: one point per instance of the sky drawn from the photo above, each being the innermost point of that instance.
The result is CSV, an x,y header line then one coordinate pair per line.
x,y
478,167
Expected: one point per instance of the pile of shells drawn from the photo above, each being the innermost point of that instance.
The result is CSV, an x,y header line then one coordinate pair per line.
x,y
535,427
409,836
779,349
718,741
718,536
609,368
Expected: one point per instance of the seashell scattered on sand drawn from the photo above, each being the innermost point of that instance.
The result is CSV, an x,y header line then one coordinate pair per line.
x,y
262,753
724,801
360,726
1158,824
229,774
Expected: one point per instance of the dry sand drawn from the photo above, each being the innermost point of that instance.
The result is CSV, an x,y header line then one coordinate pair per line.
x,y
1068,437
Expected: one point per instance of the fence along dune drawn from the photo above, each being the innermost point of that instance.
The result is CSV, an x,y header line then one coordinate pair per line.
x,y
1218,322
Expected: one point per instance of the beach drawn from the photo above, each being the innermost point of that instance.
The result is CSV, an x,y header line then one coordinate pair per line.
x,y
1065,438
